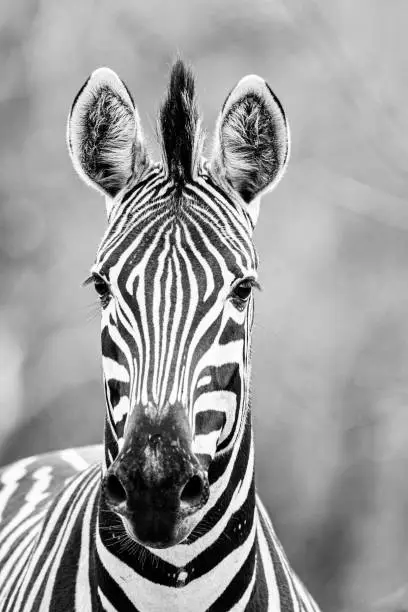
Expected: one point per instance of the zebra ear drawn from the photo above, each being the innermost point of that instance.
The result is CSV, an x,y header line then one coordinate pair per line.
x,y
252,141
104,135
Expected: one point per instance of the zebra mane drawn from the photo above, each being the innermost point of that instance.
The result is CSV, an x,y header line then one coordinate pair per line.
x,y
180,125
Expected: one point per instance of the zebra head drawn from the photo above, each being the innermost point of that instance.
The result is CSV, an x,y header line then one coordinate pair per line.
x,y
175,273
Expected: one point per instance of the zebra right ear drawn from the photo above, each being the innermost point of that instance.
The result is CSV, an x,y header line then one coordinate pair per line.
x,y
104,135
252,142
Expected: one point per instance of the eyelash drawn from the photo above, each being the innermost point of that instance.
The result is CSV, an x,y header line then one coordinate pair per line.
x,y
101,287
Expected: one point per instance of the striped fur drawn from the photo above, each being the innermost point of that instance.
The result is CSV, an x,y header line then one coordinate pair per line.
x,y
175,272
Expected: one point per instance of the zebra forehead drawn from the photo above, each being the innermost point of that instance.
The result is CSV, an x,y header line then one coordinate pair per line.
x,y
198,223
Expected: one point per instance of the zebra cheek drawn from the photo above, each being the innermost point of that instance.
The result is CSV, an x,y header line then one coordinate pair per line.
x,y
204,447
210,420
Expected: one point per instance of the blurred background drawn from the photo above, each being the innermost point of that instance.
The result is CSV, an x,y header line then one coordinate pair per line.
x,y
330,372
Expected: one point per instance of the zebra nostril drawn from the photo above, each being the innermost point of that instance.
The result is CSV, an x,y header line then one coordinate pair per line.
x,y
154,440
114,490
192,492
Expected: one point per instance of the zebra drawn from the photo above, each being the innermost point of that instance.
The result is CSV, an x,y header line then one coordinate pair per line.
x,y
165,515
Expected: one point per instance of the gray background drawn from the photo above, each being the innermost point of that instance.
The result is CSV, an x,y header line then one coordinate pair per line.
x,y
331,335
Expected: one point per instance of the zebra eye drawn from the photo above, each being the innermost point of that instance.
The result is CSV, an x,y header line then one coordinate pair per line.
x,y
241,293
102,289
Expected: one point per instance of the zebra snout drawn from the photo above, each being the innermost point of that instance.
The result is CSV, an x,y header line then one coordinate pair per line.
x,y
157,490
159,478
192,495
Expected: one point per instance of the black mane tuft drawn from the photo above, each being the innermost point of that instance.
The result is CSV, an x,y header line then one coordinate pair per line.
x,y
179,124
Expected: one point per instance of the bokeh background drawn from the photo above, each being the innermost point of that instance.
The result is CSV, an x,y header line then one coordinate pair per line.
x,y
331,337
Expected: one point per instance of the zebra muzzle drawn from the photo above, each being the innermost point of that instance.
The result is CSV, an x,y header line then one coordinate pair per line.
x,y
156,487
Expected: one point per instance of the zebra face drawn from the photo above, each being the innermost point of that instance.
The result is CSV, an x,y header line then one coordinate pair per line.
x,y
176,296
175,274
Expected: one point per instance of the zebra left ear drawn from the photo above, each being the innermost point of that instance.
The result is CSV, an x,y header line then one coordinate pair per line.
x,y
252,141
104,135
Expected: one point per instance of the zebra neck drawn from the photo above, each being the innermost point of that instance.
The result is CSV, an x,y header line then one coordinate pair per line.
x,y
218,557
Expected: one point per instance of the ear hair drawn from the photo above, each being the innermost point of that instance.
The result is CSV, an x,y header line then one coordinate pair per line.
x,y
252,141
103,133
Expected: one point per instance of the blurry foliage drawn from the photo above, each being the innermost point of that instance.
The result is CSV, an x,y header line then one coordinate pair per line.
x,y
331,333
